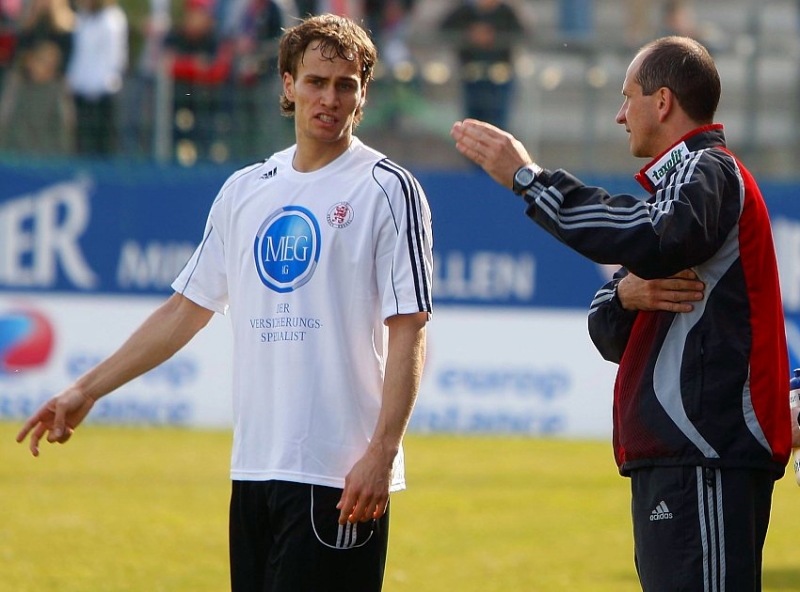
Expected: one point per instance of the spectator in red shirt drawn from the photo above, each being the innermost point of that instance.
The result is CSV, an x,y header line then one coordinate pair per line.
x,y
200,65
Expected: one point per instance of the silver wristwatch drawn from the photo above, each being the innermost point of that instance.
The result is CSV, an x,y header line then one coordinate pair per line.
x,y
525,177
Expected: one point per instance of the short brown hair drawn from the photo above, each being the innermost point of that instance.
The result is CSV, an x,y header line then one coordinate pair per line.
x,y
684,66
339,37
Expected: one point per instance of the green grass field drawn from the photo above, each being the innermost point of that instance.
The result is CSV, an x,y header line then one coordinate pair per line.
x,y
138,509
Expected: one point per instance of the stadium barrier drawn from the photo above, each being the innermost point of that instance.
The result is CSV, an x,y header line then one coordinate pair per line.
x,y
87,251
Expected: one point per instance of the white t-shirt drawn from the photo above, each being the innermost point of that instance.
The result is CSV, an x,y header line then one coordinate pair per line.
x,y
100,53
311,265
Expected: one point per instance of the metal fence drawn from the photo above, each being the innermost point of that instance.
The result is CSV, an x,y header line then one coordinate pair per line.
x,y
565,95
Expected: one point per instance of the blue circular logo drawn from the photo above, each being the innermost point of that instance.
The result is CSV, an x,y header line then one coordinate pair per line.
x,y
287,249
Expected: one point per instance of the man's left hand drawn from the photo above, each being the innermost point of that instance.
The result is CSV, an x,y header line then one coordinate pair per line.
x,y
673,294
366,489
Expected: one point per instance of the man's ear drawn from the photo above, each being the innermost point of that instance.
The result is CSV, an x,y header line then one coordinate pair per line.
x,y
288,86
666,102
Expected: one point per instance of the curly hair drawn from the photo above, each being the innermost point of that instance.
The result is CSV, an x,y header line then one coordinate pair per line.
x,y
339,37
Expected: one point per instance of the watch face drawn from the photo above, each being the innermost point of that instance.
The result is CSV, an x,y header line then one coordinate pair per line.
x,y
524,177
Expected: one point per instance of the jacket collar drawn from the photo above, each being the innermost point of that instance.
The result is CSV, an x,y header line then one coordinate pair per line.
x,y
652,176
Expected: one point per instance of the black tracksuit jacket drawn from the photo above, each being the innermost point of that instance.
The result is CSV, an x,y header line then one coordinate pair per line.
x,y
704,388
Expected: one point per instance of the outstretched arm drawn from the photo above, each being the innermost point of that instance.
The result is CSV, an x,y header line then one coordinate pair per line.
x,y
163,333
366,489
683,224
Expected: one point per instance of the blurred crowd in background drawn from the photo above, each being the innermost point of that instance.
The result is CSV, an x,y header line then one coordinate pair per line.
x,y
193,81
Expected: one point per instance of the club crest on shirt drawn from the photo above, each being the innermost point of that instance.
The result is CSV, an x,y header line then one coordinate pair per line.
x,y
340,215
287,248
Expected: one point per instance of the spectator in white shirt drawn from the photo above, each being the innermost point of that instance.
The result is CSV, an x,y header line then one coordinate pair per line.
x,y
95,71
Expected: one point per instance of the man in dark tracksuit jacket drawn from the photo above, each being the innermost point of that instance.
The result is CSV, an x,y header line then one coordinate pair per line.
x,y
729,351
703,389
701,417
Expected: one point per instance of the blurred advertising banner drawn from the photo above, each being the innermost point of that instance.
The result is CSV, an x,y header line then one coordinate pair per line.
x,y
513,371
88,250
47,341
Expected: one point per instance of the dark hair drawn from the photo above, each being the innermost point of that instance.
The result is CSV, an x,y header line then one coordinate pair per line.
x,y
339,37
684,66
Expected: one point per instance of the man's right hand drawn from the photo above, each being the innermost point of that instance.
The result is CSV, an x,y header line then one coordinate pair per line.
x,y
673,294
57,418
497,151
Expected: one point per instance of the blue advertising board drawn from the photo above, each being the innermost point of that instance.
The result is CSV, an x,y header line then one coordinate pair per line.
x,y
127,229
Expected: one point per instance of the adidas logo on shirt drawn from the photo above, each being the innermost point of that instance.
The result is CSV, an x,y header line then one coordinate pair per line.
x,y
269,174
661,512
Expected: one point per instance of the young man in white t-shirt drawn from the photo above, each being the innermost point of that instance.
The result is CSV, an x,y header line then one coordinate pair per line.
x,y
322,255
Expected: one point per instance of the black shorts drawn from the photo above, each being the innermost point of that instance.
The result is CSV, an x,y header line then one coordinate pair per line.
x,y
285,537
700,529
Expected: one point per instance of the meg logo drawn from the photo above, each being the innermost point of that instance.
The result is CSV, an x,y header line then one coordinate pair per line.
x,y
26,341
287,249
